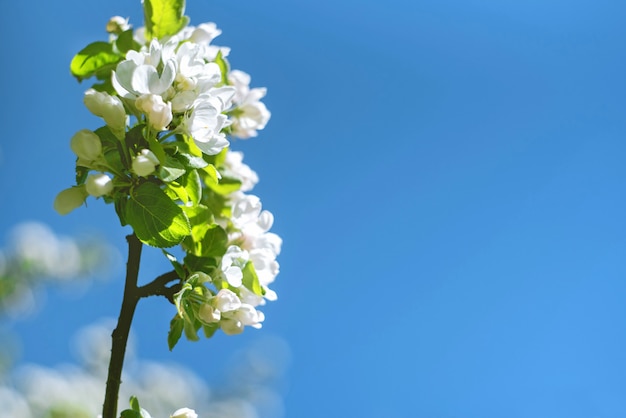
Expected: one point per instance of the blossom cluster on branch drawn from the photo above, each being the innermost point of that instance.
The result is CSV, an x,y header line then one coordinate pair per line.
x,y
171,105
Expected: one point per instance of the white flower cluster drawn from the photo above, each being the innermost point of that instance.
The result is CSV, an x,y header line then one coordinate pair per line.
x,y
178,82
178,86
249,243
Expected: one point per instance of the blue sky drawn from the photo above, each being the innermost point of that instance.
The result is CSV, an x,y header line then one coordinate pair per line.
x,y
447,177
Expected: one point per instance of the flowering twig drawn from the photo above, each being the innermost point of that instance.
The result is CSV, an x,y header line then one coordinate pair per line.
x,y
170,103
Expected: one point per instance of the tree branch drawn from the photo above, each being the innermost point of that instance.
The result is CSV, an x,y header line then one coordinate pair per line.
x,y
158,287
120,333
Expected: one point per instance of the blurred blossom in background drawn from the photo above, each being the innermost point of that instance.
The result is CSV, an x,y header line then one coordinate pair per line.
x,y
75,390
35,258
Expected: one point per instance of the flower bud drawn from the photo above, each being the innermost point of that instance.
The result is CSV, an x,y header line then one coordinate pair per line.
x,y
208,314
184,413
158,112
86,145
144,163
117,25
109,108
69,199
231,326
99,184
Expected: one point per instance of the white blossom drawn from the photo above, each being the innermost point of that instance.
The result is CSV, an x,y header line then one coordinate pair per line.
x,y
138,74
158,112
251,114
117,25
248,315
204,125
86,145
109,108
233,261
184,413
226,300
99,184
145,163
69,199
231,326
237,169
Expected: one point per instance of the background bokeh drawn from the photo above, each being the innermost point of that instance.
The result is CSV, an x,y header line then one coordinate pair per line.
x,y
447,176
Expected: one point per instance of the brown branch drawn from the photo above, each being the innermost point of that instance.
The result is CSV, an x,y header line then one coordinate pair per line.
x,y
158,287
120,333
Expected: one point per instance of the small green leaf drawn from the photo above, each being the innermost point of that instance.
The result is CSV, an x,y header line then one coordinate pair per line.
x,y
214,242
105,86
191,161
193,185
226,185
177,192
129,413
81,175
164,17
156,220
195,263
95,58
170,169
209,330
211,175
223,64
125,42
201,219
107,137
177,266
251,280
134,404
134,138
120,209
176,331
191,329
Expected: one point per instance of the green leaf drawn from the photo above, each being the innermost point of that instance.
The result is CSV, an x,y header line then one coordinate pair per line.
x,y
105,86
191,329
176,331
200,218
251,280
164,17
129,413
170,169
226,185
209,330
81,175
125,42
134,138
193,186
196,263
95,58
134,404
191,161
223,64
107,137
211,175
120,209
214,242
156,220
177,266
